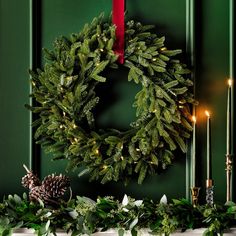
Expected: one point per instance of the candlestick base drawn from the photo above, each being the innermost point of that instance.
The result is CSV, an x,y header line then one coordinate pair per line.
x,y
209,192
195,195
229,166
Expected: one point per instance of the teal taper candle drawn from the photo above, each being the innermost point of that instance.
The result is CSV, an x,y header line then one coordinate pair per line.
x,y
209,159
194,152
228,128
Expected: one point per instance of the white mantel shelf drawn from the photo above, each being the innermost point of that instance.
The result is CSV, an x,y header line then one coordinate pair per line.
x,y
113,232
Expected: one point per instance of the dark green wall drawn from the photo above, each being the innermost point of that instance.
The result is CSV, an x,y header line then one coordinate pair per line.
x,y
212,72
14,89
60,17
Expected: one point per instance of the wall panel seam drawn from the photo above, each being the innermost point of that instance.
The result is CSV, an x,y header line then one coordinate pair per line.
x,y
35,60
231,76
190,47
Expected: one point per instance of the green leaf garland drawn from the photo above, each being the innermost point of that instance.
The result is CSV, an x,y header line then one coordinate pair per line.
x,y
82,216
65,90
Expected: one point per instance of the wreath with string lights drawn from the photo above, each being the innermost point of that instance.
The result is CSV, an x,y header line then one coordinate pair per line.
x,y
65,91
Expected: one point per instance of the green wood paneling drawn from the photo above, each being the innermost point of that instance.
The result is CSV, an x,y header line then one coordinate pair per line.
x,y
232,75
14,90
212,71
60,17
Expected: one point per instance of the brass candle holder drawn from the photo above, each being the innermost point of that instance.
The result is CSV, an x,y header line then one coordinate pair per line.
x,y
195,195
209,192
229,166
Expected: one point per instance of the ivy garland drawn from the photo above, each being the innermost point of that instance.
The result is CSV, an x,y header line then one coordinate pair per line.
x,y
66,94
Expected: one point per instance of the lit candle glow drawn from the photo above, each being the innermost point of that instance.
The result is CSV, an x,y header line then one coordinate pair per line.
x,y
209,161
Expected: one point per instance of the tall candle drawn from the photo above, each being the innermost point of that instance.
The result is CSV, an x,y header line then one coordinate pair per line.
x,y
228,128
209,161
194,152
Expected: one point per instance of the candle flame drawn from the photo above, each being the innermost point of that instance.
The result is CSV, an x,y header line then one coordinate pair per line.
x,y
230,81
207,113
194,119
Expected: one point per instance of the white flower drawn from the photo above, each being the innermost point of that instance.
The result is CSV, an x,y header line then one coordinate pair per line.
x,y
138,203
125,200
163,199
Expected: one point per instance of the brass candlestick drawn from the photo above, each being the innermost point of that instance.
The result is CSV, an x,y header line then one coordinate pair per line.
x,y
209,192
229,166
195,195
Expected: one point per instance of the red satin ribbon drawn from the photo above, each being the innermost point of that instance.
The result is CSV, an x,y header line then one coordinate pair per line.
x,y
118,19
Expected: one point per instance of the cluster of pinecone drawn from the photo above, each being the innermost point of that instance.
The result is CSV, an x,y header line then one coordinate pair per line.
x,y
52,188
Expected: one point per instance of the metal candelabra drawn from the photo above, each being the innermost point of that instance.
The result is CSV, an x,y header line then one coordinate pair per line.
x,y
209,192
195,195
229,166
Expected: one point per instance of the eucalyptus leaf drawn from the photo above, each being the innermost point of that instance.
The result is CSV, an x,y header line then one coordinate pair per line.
x,y
133,223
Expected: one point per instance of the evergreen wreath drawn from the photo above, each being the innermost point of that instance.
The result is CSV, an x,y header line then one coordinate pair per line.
x,y
66,94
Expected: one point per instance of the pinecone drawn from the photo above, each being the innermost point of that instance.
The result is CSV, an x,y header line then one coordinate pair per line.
x,y
39,193
55,185
49,191
30,180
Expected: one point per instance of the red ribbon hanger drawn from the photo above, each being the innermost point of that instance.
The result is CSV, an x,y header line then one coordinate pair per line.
x,y
118,19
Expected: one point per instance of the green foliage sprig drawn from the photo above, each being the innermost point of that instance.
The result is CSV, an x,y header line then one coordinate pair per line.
x,y
65,90
84,216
